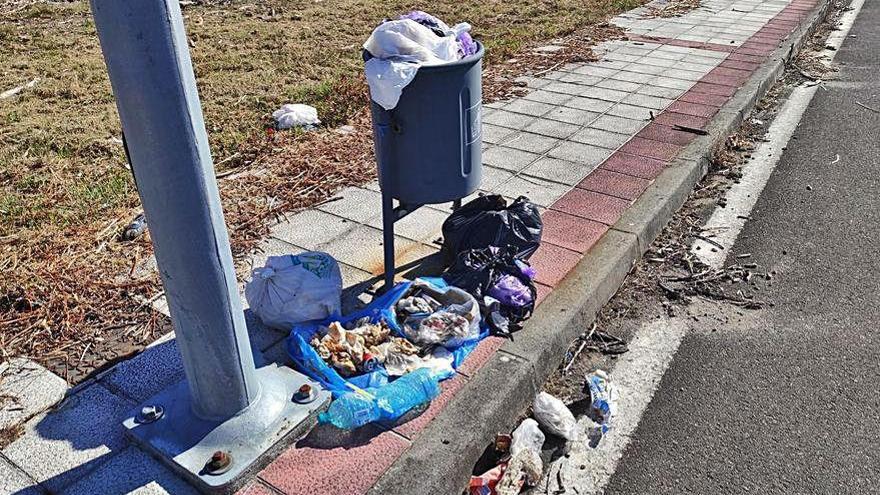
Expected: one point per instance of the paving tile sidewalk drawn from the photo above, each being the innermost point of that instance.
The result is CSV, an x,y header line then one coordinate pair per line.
x,y
584,143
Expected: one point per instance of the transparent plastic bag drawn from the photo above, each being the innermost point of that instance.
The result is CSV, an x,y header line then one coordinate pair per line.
x,y
527,436
553,415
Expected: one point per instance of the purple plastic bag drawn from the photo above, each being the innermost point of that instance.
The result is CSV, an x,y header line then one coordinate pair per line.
x,y
526,269
511,292
427,20
467,44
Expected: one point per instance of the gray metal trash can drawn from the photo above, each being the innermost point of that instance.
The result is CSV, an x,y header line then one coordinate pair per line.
x,y
428,148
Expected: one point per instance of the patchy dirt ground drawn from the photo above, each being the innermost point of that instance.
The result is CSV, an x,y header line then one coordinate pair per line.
x,y
71,296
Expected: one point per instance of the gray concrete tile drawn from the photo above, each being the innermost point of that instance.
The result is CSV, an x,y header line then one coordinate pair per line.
x,y
582,79
572,115
675,49
532,82
620,125
571,89
528,107
373,185
580,153
647,101
362,248
69,442
709,54
606,94
493,176
552,128
659,56
351,276
310,228
421,225
534,143
547,97
15,481
633,77
494,134
672,83
590,104
669,93
508,158
627,87
553,75
630,111
593,70
644,68
634,50
28,389
686,75
539,191
621,57
566,172
357,204
599,137
134,472
508,119
148,373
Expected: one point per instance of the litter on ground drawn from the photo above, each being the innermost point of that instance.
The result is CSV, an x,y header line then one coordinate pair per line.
x,y
296,115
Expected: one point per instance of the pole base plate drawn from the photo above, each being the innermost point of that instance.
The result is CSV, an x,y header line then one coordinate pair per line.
x,y
186,442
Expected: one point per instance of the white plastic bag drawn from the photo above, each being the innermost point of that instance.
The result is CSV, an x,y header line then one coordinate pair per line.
x,y
399,48
525,466
527,436
295,114
555,417
292,289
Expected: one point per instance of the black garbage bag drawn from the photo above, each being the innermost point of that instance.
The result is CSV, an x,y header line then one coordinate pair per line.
x,y
500,282
489,221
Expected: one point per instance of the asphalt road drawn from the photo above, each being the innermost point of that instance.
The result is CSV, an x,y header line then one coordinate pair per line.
x,y
786,399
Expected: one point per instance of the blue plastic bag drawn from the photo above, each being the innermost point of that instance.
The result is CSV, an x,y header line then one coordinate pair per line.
x,y
307,361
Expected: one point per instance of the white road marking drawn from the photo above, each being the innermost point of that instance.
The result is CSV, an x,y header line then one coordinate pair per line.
x,y
636,376
726,223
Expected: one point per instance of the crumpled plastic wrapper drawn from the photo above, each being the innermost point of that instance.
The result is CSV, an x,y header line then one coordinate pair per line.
x,y
438,328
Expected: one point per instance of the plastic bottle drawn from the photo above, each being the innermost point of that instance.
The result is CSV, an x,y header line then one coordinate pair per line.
x,y
389,402
599,384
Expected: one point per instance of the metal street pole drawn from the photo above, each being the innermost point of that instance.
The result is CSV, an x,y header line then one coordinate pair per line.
x,y
147,56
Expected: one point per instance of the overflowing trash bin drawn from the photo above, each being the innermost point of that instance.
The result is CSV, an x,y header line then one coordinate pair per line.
x,y
426,94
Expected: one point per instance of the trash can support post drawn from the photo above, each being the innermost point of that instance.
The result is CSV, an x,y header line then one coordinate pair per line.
x,y
389,216
224,403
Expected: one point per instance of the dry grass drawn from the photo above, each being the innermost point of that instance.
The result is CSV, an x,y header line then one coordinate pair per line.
x,y
69,294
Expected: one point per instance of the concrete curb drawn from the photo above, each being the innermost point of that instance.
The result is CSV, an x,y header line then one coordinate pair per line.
x,y
442,457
